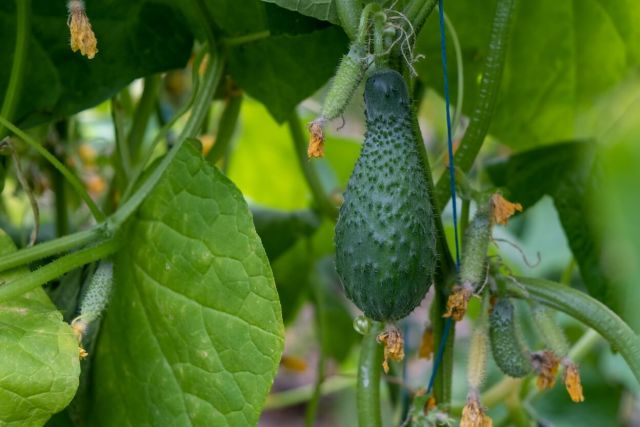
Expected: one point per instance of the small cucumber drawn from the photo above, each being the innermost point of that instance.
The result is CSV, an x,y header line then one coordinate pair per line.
x,y
385,242
550,333
348,76
474,253
507,344
98,292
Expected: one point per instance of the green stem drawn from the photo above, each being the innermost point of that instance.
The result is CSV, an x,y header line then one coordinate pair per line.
x,y
201,107
247,38
226,127
423,13
312,406
195,78
464,216
69,176
56,269
143,112
122,156
444,377
11,96
487,95
349,12
442,385
586,309
298,395
368,386
308,169
50,248
457,114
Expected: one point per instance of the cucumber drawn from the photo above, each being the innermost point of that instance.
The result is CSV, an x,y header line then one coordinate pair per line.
x,y
385,234
474,252
348,76
507,344
550,333
97,295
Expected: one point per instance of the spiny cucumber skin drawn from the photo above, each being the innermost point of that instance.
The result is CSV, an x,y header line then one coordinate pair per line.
x,y
507,343
549,331
348,76
98,292
476,245
385,242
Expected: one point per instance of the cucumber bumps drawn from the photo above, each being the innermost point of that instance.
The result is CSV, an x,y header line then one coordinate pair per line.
x,y
507,344
385,240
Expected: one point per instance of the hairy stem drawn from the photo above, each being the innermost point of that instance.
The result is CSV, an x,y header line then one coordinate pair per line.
x,y
11,96
308,168
487,95
56,269
368,386
50,248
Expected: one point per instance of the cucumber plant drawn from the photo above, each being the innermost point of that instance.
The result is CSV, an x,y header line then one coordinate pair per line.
x,y
141,284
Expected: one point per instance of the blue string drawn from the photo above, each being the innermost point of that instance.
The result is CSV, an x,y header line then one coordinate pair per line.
x,y
452,178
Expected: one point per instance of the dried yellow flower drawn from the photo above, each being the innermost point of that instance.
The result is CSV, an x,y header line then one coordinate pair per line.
x,y
316,142
457,302
82,353
426,345
473,414
546,365
572,381
502,209
82,36
393,346
293,363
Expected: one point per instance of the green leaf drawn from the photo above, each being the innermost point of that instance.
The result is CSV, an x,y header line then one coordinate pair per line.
x,y
194,333
280,71
279,230
135,38
320,9
39,359
570,173
562,57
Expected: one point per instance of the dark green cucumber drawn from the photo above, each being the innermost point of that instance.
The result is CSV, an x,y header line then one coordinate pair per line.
x,y
507,344
385,235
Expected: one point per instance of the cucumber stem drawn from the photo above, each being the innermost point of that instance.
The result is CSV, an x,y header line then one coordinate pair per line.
x,y
368,385
56,269
487,96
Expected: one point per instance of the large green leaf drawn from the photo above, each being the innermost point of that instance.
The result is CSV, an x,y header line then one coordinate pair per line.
x,y
194,332
563,56
39,359
135,38
320,9
571,174
279,57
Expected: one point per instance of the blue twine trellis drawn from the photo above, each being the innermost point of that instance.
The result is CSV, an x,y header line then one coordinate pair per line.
x,y
452,177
